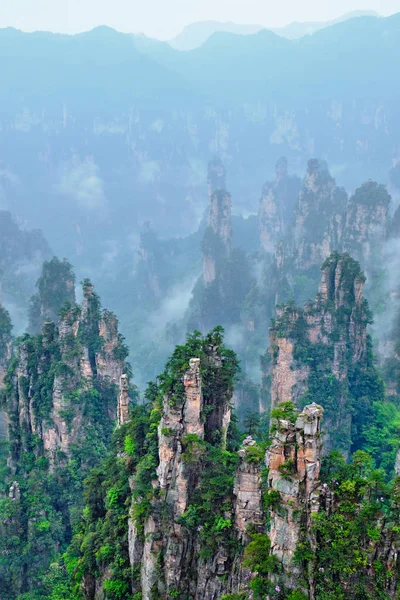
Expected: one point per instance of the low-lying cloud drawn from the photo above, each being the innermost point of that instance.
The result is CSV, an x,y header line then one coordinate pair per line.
x,y
81,181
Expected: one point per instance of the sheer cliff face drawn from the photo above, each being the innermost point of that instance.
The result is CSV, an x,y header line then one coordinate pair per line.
x,y
294,461
209,517
53,377
319,217
367,222
202,496
218,236
5,340
216,177
277,203
308,510
184,427
314,350
324,221
55,287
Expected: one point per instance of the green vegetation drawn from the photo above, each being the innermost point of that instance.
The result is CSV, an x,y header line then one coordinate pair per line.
x,y
221,301
101,536
372,194
100,543
65,526
55,287
366,513
5,333
36,524
358,393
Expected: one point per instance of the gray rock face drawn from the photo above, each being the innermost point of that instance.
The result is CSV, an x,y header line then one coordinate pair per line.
x,y
397,464
320,217
77,367
334,323
217,241
123,400
15,492
247,493
220,234
216,176
294,460
175,480
367,222
183,567
277,204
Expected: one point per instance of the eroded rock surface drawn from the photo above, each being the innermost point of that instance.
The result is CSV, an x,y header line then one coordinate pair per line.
x,y
315,348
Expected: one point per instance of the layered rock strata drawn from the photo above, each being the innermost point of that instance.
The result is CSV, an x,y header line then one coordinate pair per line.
x,y
277,203
294,461
313,350
218,236
51,369
181,433
123,400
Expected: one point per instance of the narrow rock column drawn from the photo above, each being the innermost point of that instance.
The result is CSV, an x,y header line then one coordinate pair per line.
x,y
175,479
123,400
193,406
247,492
218,235
15,492
294,460
397,464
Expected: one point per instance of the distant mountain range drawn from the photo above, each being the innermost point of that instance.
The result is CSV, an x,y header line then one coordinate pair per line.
x,y
195,34
103,131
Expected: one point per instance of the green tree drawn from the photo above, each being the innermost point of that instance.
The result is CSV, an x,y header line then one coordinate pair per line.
x,y
55,287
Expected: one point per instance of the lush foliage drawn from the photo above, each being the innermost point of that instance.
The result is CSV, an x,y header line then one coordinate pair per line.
x,y
100,542
55,287
36,523
365,515
5,333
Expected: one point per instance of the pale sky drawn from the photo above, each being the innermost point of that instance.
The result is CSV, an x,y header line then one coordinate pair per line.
x,y
166,18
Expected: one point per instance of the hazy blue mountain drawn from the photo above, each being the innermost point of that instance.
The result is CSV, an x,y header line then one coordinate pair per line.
x,y
102,131
298,29
195,34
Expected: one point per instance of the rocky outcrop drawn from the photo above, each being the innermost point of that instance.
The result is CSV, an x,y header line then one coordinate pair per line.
x,y
294,461
61,403
15,492
84,351
397,464
123,400
367,222
5,339
218,235
55,287
287,382
187,429
216,176
269,218
177,422
217,238
175,481
248,509
109,360
277,203
314,349
320,217
326,221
